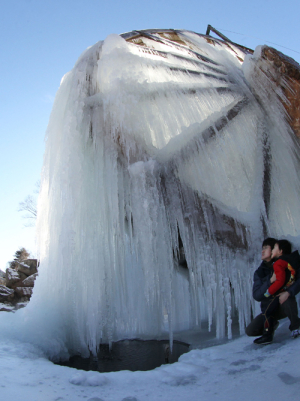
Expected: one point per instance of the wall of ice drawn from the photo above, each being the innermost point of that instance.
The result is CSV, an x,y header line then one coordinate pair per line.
x,y
156,149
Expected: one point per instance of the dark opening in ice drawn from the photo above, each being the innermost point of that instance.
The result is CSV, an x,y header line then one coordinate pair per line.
x,y
130,355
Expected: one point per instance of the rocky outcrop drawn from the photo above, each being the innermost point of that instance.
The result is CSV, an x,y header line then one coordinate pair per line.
x,y
17,285
6,294
27,267
5,307
12,277
23,292
29,281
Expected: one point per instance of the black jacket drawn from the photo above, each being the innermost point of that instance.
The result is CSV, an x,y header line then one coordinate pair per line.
x,y
261,280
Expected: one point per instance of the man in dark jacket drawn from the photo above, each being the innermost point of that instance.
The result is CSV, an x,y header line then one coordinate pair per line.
x,y
263,278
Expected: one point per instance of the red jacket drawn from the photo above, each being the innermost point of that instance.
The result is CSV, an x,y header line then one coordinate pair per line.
x,y
280,267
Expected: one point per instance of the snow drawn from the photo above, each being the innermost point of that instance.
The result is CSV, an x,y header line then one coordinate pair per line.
x,y
12,274
24,264
235,370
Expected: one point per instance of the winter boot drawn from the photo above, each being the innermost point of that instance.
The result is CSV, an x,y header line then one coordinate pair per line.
x,y
268,334
295,333
264,339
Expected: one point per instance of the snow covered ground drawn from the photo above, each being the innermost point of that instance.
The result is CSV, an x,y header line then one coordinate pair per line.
x,y
237,370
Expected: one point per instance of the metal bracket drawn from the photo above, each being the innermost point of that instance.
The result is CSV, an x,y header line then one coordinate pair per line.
x,y
211,28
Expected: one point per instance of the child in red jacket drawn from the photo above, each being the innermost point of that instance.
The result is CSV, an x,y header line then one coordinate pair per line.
x,y
284,271
285,268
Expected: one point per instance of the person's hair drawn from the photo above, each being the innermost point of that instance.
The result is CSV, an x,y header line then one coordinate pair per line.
x,y
285,246
269,242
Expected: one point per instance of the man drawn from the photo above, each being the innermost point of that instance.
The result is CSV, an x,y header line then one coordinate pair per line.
x,y
263,278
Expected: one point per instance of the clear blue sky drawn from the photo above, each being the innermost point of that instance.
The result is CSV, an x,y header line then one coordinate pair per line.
x,y
41,41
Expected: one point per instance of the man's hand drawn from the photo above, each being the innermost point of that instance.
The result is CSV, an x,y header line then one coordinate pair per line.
x,y
283,297
273,278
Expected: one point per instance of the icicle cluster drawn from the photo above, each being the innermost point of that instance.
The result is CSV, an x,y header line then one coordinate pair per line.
x,y
153,198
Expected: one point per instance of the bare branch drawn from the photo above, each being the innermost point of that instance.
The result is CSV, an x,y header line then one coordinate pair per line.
x,y
29,205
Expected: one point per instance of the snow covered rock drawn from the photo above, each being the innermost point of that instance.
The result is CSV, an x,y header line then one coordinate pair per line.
x,y
6,294
17,284
6,307
29,281
27,267
13,277
24,292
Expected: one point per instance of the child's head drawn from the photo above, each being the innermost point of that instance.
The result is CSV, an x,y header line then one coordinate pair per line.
x,y
282,247
267,246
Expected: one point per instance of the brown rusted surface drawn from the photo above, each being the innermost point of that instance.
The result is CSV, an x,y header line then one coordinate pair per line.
x,y
210,41
173,36
137,41
211,223
286,74
153,36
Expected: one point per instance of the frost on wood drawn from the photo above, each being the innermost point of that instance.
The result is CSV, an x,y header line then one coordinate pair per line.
x,y
157,152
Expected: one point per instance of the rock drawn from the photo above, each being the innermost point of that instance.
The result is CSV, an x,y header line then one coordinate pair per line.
x,y
28,267
6,294
16,285
2,281
22,276
12,277
24,291
21,304
7,307
29,281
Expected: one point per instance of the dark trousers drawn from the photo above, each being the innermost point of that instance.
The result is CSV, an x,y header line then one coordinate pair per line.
x,y
269,311
288,309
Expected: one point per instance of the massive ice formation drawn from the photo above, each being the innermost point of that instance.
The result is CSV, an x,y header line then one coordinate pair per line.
x,y
165,165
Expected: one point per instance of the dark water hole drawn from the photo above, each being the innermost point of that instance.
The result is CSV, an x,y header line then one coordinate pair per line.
x,y
130,355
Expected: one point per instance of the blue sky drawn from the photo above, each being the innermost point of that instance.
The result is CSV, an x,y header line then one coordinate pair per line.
x,y
41,41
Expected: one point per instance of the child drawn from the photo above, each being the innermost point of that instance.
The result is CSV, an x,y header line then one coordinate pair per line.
x,y
284,271
285,268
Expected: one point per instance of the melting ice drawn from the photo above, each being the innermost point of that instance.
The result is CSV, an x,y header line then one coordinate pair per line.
x,y
162,173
